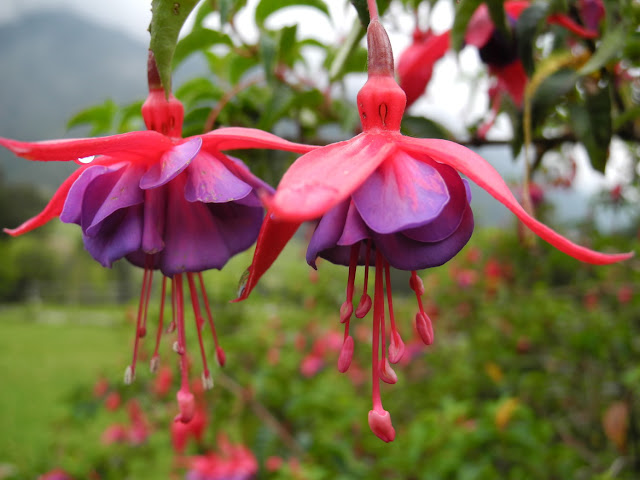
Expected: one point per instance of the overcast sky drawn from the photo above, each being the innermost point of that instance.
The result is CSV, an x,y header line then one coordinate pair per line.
x,y
131,16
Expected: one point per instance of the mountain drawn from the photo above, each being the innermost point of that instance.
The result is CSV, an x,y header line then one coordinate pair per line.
x,y
53,65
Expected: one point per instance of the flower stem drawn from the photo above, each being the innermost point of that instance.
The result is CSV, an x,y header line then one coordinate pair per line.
x,y
373,9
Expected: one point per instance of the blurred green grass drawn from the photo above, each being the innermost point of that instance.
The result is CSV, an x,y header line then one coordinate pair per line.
x,y
44,351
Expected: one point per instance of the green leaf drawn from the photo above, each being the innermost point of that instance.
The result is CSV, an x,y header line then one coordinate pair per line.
x,y
198,39
130,117
498,17
362,10
550,91
239,66
167,18
268,54
345,55
100,117
593,127
267,7
422,127
287,45
611,45
464,11
203,12
528,26
198,89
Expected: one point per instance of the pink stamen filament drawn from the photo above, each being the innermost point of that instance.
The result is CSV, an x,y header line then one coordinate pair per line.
x,y
219,351
396,348
347,307
206,380
179,317
156,356
149,267
378,314
365,301
147,277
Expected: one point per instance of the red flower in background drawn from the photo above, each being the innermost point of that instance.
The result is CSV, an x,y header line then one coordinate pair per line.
x,y
235,462
500,52
415,65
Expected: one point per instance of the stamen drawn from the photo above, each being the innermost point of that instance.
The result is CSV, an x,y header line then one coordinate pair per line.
x,y
365,301
423,322
396,345
379,418
206,375
186,401
387,374
346,352
143,327
378,312
155,359
130,372
347,307
220,355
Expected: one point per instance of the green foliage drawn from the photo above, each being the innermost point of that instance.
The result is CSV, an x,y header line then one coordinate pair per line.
x,y
532,350
167,19
267,7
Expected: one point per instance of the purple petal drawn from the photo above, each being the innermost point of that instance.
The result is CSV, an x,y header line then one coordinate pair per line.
x,y
98,192
355,229
155,207
337,231
118,235
243,172
328,231
209,181
110,192
401,193
451,216
172,162
404,253
72,209
201,236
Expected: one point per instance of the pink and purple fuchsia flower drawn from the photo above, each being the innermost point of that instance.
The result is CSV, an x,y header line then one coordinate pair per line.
x,y
177,205
387,200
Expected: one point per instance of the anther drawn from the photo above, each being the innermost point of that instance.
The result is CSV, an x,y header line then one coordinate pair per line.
x,y
154,364
380,424
387,374
424,327
396,345
128,375
207,381
365,301
186,405
346,354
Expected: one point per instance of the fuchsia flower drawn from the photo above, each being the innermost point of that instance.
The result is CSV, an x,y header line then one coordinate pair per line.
x,y
56,474
415,65
231,462
390,200
135,433
500,53
163,202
